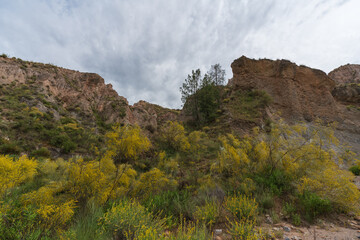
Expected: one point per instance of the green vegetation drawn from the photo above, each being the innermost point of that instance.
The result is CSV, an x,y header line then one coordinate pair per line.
x,y
355,170
30,124
201,95
179,182
177,186
245,104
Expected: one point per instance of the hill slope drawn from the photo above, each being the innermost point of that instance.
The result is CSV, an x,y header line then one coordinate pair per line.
x,y
301,93
63,110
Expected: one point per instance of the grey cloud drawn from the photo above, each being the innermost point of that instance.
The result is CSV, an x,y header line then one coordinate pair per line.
x,y
147,48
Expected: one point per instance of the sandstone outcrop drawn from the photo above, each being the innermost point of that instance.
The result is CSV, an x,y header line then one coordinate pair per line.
x,y
298,92
349,73
347,78
301,93
348,94
150,116
85,95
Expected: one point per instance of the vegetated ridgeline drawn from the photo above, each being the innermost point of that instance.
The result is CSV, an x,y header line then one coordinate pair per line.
x,y
299,93
151,177
57,97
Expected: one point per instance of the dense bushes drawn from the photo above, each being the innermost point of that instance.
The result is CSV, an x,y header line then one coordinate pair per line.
x,y
9,148
130,220
138,189
41,152
355,170
31,122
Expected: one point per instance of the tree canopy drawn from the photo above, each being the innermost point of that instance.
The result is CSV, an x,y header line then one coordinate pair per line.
x,y
200,95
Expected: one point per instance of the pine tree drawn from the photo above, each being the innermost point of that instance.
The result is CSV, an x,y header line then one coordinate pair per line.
x,y
216,74
189,88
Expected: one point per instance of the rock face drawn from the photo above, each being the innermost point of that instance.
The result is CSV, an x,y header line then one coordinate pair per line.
x,y
301,93
347,94
349,73
84,94
150,116
298,92
75,91
347,78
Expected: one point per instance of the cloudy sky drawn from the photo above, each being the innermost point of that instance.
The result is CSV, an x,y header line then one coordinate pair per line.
x,y
146,48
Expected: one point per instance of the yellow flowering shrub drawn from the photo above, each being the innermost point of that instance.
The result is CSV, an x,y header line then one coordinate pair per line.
x,y
55,216
196,143
190,231
153,182
43,196
125,144
334,184
297,157
48,167
130,220
122,182
173,136
169,165
242,207
231,158
208,213
85,180
245,230
15,172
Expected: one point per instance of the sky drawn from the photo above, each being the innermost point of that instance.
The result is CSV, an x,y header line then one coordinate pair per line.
x,y
146,48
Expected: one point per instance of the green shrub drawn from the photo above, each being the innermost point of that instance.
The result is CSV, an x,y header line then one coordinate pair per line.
x,y
174,204
314,206
190,231
42,152
277,182
68,146
21,224
289,209
244,230
208,213
296,220
242,207
10,148
355,170
266,201
128,219
86,224
290,212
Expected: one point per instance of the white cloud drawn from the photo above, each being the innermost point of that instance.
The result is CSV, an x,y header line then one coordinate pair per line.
x,y
147,48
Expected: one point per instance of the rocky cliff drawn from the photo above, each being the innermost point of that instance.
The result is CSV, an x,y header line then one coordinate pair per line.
x,y
349,73
39,101
301,93
298,92
347,78
54,105
78,92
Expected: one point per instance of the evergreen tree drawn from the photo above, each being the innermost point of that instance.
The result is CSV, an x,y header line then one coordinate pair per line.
x,y
202,95
189,88
208,96
216,74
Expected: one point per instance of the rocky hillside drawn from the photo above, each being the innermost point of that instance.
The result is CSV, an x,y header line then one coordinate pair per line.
x,y
298,92
347,91
349,73
301,93
63,110
67,111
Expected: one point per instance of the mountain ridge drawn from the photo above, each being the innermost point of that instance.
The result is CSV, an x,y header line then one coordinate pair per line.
x,y
299,93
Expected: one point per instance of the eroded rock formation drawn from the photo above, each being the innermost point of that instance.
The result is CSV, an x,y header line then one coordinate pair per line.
x,y
301,93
